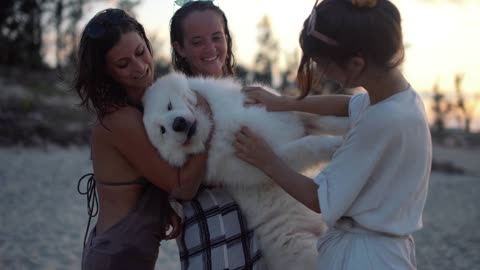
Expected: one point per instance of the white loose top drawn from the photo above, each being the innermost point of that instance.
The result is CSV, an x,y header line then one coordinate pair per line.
x,y
379,175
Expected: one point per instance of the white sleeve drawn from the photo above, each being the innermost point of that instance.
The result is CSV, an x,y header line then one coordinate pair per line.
x,y
341,181
356,105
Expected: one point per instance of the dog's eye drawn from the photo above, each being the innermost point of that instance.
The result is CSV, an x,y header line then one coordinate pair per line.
x,y
169,106
162,129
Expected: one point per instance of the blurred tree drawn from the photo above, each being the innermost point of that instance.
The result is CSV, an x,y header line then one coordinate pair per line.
x,y
23,22
129,5
241,73
441,108
465,107
65,16
288,74
161,61
21,33
268,52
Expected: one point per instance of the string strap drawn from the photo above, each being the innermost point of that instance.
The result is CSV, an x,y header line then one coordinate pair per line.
x,y
92,200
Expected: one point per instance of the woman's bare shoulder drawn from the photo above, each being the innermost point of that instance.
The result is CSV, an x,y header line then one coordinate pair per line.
x,y
119,126
123,131
122,117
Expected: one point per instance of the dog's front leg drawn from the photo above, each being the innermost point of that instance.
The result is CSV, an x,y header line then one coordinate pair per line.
x,y
309,151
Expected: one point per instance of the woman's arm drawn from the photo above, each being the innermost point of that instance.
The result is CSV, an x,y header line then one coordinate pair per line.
x,y
190,176
256,151
336,105
129,137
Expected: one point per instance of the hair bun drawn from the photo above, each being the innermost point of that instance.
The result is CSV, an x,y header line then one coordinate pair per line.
x,y
364,3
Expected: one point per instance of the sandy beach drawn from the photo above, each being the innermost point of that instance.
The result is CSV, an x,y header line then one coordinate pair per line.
x,y
44,218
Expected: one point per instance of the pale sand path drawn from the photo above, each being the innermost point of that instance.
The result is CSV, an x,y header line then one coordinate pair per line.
x,y
450,238
43,219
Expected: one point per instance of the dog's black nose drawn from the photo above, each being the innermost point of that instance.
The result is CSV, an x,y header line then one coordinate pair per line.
x,y
180,124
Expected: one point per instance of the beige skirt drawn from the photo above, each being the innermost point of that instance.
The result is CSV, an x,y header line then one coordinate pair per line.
x,y
347,246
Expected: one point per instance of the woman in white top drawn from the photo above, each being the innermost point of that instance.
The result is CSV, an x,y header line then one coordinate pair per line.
x,y
373,193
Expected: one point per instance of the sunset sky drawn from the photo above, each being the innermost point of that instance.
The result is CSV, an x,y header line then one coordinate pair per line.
x,y
442,35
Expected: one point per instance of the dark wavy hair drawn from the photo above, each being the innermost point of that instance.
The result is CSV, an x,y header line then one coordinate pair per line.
x,y
98,92
372,32
176,35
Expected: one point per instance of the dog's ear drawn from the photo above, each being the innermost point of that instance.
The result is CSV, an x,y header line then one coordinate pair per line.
x,y
191,97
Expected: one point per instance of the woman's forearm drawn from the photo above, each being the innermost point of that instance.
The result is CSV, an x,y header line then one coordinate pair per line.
x,y
336,105
190,177
300,187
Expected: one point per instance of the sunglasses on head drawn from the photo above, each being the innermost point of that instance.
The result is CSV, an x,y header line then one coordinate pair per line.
x,y
184,2
97,27
312,19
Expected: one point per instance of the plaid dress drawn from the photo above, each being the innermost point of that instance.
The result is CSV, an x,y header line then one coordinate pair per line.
x,y
215,235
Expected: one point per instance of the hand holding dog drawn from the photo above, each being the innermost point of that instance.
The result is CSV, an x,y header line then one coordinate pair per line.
x,y
254,150
258,95
173,227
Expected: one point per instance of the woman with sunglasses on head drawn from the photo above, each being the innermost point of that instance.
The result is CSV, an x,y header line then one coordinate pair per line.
x,y
202,46
373,192
133,182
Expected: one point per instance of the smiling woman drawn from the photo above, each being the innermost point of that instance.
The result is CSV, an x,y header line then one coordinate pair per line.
x,y
202,46
130,64
206,48
115,67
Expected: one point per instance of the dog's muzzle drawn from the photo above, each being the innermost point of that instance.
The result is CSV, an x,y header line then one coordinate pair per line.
x,y
180,124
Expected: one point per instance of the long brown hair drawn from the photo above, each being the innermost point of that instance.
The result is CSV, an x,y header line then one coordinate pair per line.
x,y
375,33
98,92
176,35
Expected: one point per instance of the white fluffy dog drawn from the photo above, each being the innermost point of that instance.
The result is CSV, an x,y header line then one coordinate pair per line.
x,y
287,230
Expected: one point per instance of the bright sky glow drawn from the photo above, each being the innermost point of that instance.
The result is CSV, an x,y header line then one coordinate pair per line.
x,y
442,35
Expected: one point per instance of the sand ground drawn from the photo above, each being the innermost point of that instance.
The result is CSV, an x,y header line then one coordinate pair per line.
x,y
43,218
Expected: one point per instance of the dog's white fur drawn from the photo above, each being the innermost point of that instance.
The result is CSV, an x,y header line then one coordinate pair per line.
x,y
287,230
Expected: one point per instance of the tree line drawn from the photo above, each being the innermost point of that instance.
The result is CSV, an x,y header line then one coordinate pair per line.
x,y
459,107
31,28
25,24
